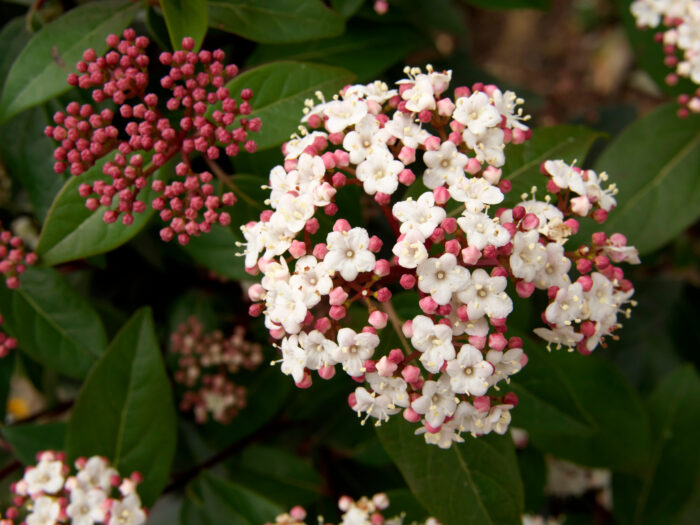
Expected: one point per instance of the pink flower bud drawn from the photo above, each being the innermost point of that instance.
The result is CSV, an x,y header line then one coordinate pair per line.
x,y
337,312
410,373
497,342
407,281
385,367
256,292
445,107
473,166
339,180
382,268
336,138
320,251
337,296
305,381
586,282
297,249
600,216
492,175
432,143
428,305
326,372
524,289
383,295
407,328
312,225
455,137
482,403
581,205
382,198
498,321
471,255
601,262
530,222
477,341
378,319
341,225
452,246
328,160
411,415
323,324
441,194
407,155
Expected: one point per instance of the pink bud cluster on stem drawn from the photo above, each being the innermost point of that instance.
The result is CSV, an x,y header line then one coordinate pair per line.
x,y
143,134
206,364
13,258
448,247
7,343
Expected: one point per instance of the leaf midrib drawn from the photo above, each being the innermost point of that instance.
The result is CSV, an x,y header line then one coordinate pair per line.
x,y
269,12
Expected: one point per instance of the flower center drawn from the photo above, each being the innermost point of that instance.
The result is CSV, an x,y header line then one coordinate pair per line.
x,y
350,254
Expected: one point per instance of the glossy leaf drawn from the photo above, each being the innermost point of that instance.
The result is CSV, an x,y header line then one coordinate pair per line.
x,y
217,251
475,482
275,21
185,18
125,409
213,500
346,8
580,408
654,164
279,92
522,167
366,49
71,231
40,71
53,324
14,37
28,439
672,475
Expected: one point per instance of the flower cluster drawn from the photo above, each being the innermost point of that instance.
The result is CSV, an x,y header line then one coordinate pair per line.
x,y
329,289
142,135
13,258
364,511
7,343
205,365
680,38
47,494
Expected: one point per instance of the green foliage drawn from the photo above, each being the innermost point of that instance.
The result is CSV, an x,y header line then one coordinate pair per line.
x,y
39,72
472,483
279,92
275,21
28,439
185,18
217,251
125,408
56,326
509,4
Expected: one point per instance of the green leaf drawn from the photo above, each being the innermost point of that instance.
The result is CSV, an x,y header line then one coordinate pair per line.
x,y
275,21
185,18
672,475
71,231
279,92
367,49
580,408
211,500
7,369
28,439
250,198
125,409
522,168
509,4
217,251
52,323
347,8
654,163
28,157
40,71
475,482
14,37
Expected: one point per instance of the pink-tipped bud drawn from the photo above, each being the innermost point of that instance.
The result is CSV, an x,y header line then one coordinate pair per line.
x,y
492,175
256,292
432,143
407,281
524,289
410,373
584,266
382,198
320,250
530,222
441,194
326,372
411,415
385,367
383,295
452,246
482,403
407,155
445,107
297,249
428,305
312,225
600,216
378,319
497,342
586,282
382,268
407,328
471,255
337,312
305,381
511,398
407,177
341,225
337,296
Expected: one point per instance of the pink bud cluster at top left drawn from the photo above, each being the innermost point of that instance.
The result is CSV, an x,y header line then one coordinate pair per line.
x,y
200,117
13,258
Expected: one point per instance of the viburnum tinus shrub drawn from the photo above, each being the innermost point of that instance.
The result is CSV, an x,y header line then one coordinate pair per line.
x,y
94,493
428,162
199,118
680,40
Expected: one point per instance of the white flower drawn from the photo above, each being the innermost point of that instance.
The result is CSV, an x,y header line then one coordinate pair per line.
x,y
293,212
560,335
281,183
646,12
411,249
354,349
421,215
477,113
127,511
96,474
311,279
482,230
293,358
46,477
469,372
436,402
296,146
478,327
378,406
348,253
441,277
497,420
566,306
565,176
344,113
434,341
377,91
380,172
85,508
506,103
394,387
44,512
443,438
596,194
486,295
310,170
551,219
420,96
445,166
555,271
285,307
488,146
364,139
528,257
318,349
476,193
505,363
600,301
405,128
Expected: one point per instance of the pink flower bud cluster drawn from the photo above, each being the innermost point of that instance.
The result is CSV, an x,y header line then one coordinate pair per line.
x,y
96,493
680,40
13,258
7,343
364,510
143,133
205,365
447,247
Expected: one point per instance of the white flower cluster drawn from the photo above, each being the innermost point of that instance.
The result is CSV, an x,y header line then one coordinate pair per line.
x,y
49,495
364,511
326,291
681,38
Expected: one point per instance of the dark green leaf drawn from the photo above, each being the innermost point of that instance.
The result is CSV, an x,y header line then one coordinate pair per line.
x,y
347,8
157,29
654,164
52,323
125,409
14,37
366,49
40,71
580,408
71,231
509,4
213,501
474,482
26,440
250,198
28,157
217,251
185,18
279,92
522,168
673,472
275,21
